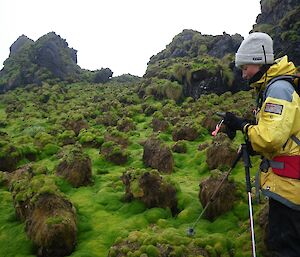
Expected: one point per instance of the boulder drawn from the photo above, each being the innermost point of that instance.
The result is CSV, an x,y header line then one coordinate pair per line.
x,y
224,199
210,121
52,226
185,132
76,125
50,219
221,152
157,155
75,167
9,156
114,153
179,147
117,137
159,124
150,188
126,124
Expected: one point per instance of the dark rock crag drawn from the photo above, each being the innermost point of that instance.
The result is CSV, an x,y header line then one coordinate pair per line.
x,y
280,19
47,60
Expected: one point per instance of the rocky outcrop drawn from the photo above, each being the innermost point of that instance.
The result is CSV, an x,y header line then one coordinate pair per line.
x,y
20,43
191,43
150,188
280,19
201,64
157,155
224,199
49,59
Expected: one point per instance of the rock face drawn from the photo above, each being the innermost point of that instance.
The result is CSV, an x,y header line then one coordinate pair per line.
x,y
21,42
280,19
223,201
191,43
201,64
52,52
49,58
157,155
150,188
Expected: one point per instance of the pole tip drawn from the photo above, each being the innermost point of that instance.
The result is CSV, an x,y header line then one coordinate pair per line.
x,y
190,232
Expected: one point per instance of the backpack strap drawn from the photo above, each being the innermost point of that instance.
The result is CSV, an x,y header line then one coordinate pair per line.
x,y
295,139
288,78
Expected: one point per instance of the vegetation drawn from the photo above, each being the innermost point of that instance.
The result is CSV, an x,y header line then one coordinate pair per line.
x,y
107,224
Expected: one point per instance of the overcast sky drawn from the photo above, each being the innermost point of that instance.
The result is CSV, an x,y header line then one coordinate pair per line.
x,y
121,34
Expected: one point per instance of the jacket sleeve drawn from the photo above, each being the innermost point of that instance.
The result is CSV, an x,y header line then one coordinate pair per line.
x,y
276,119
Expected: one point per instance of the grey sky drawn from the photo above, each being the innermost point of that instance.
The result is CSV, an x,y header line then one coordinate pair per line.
x,y
121,34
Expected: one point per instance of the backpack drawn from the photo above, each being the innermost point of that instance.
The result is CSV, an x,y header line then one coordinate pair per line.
x,y
293,79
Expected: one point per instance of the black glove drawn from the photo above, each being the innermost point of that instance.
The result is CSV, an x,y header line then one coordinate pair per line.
x,y
233,124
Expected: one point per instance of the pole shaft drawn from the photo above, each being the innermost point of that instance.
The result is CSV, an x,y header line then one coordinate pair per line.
x,y
251,225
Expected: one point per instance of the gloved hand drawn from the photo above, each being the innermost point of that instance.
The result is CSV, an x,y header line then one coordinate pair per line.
x,y
233,124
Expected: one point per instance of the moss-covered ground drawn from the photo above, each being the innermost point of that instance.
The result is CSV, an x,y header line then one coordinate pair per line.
x,y
103,218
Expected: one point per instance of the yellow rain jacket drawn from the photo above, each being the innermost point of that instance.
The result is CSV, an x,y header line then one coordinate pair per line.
x,y
277,121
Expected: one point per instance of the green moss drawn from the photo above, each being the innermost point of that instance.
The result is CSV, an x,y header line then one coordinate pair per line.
x,y
103,217
50,149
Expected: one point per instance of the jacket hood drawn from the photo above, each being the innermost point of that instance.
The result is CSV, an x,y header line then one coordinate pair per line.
x,y
281,67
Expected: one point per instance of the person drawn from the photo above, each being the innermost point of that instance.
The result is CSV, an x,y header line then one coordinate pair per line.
x,y
275,136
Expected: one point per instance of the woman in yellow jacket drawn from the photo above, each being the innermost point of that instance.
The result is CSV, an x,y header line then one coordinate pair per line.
x,y
275,136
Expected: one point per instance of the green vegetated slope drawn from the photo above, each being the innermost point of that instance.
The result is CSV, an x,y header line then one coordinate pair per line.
x,y
36,122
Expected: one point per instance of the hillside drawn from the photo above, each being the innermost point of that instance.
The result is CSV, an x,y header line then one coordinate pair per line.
x,y
94,165
109,124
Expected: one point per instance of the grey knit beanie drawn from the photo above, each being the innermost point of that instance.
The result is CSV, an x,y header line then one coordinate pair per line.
x,y
257,48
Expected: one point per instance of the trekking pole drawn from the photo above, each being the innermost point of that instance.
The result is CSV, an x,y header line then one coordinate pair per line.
x,y
191,230
247,164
